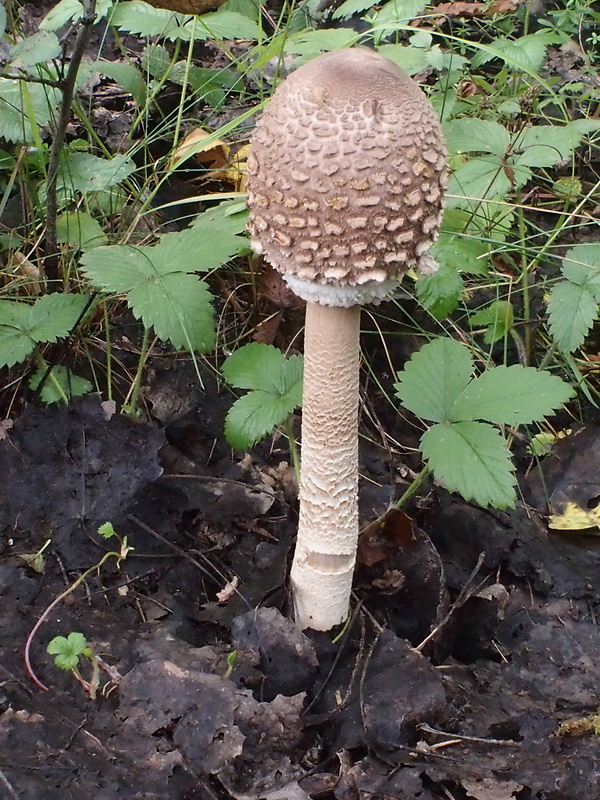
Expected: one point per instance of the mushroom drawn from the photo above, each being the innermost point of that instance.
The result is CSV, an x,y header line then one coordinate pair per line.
x,y
346,174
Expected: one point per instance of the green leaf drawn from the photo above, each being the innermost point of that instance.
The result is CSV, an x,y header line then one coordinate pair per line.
x,y
106,530
15,121
41,46
471,458
351,7
276,384
79,230
2,21
581,265
462,253
83,172
48,319
60,383
310,43
545,145
264,367
223,24
572,310
514,395
498,317
480,177
126,75
434,378
253,416
67,650
140,18
63,12
178,307
441,292
468,135
573,304
527,52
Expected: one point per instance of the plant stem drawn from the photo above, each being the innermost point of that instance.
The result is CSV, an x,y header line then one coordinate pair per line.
x,y
412,489
68,90
69,590
135,389
293,447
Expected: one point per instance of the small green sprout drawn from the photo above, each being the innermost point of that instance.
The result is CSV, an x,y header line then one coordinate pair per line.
x,y
67,652
231,659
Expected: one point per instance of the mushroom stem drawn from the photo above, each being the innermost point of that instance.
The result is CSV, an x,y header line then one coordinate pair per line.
x,y
328,526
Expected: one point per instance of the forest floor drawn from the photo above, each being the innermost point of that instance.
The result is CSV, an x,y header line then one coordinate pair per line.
x,y
469,669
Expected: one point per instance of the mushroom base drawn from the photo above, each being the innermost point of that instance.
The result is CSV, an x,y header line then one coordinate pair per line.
x,y
328,525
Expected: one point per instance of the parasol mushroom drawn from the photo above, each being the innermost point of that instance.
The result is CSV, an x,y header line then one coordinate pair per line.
x,y
346,174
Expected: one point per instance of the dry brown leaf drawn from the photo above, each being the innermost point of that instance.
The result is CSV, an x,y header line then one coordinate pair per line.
x,y
32,275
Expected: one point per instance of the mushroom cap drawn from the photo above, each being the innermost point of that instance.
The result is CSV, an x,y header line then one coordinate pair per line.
x,y
346,175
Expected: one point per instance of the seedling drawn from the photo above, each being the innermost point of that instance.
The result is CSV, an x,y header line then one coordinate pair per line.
x,y
67,653
107,531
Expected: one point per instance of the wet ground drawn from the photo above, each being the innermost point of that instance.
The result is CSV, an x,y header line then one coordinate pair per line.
x,y
469,670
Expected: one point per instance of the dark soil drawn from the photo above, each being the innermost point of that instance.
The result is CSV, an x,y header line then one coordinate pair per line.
x,y
473,712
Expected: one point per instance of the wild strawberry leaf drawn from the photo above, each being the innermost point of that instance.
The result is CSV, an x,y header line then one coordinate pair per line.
x,y
434,378
23,325
573,303
471,458
276,384
514,395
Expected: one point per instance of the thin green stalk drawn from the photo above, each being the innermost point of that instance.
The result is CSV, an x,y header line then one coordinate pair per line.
x,y
130,407
293,447
108,352
524,281
412,489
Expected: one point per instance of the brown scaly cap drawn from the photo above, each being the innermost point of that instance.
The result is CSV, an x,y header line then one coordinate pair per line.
x,y
346,177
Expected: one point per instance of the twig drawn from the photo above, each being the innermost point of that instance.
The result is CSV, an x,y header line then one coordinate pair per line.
x,y
68,90
462,598
8,786
503,742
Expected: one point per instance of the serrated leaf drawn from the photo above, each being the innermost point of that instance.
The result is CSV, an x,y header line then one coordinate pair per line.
x,y
63,12
83,172
223,24
67,650
23,325
79,230
572,310
71,10
118,268
434,378
276,384
41,46
527,52
351,7
60,383
178,306
156,60
581,265
411,59
140,18
471,458
462,253
311,43
468,135
264,367
15,122
514,395
479,177
545,145
498,317
126,75
255,415
441,292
